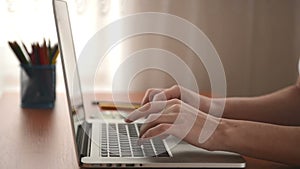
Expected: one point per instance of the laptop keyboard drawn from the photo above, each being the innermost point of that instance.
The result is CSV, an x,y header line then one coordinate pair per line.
x,y
120,140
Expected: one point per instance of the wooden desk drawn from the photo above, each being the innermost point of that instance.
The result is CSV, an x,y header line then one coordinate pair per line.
x,y
34,139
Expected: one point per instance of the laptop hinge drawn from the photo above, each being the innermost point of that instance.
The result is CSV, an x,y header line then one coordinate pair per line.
x,y
83,139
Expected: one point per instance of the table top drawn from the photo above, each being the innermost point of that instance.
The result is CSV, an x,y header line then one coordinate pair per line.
x,y
35,138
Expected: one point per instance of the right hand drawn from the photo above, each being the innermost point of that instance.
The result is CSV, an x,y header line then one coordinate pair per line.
x,y
173,117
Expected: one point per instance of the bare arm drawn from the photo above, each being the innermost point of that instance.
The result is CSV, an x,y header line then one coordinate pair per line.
x,y
258,140
281,107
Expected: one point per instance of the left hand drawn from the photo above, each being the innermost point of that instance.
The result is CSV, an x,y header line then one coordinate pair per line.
x,y
177,92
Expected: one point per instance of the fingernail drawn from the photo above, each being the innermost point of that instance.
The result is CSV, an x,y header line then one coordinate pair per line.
x,y
127,120
141,136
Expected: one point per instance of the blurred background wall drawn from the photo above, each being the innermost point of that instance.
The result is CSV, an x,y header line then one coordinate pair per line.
x,y
258,41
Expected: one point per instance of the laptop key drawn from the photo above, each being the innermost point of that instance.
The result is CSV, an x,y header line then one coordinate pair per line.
x,y
149,152
160,147
132,131
114,155
104,153
126,155
138,154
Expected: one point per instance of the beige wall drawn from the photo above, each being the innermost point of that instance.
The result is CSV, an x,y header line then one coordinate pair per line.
x,y
257,40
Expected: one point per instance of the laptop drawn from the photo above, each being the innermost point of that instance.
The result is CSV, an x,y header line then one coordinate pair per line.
x,y
113,143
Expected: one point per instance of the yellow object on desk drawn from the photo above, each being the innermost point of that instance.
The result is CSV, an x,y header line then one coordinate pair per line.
x,y
117,105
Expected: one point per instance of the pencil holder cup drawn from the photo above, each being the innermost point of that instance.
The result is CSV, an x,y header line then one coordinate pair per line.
x,y
38,84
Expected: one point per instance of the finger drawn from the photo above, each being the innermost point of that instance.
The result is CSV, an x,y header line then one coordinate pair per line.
x,y
149,108
156,119
149,95
141,141
158,131
167,94
170,115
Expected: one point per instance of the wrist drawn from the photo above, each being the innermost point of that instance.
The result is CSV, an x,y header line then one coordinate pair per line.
x,y
204,104
219,141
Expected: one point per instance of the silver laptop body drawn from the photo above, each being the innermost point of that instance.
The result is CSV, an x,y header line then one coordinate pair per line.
x,y
101,143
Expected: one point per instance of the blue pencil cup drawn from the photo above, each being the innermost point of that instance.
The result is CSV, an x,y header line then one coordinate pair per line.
x,y
38,84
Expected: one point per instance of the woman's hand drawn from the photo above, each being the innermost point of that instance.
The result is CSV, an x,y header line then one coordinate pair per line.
x,y
172,117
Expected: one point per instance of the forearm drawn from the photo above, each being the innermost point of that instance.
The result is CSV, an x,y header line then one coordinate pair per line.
x,y
258,140
281,107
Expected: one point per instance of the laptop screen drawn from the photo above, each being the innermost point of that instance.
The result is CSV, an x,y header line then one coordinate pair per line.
x,y
69,63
